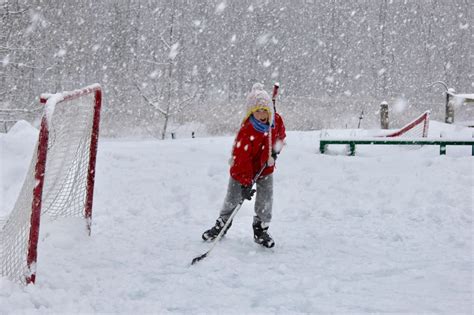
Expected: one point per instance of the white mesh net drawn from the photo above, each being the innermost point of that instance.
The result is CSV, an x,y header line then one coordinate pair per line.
x,y
65,181
15,231
67,164
418,128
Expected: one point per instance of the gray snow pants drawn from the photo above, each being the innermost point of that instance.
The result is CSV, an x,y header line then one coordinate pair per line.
x,y
263,199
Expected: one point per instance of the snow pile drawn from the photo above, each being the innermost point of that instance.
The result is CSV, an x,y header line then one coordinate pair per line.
x,y
387,231
16,149
454,131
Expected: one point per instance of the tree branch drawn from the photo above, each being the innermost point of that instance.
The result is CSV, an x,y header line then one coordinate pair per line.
x,y
164,40
151,103
15,12
156,63
183,105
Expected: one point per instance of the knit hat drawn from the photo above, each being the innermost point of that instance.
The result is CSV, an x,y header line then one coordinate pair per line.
x,y
259,99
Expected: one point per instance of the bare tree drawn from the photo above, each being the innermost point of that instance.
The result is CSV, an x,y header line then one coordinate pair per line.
x,y
168,103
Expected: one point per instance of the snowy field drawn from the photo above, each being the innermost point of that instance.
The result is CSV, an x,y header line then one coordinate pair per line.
x,y
387,231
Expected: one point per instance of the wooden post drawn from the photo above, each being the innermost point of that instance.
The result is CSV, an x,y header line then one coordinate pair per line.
x,y
449,112
384,115
449,119
361,116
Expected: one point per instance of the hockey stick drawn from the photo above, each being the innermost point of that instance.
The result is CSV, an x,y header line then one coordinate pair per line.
x,y
276,86
234,212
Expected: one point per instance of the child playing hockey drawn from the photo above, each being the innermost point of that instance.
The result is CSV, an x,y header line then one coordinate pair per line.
x,y
258,143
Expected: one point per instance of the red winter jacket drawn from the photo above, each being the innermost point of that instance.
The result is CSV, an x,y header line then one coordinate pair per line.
x,y
250,151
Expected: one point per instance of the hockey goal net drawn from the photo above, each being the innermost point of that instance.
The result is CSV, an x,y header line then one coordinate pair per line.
x,y
418,128
60,178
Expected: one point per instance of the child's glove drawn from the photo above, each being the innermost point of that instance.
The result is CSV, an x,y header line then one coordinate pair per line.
x,y
247,192
270,161
272,158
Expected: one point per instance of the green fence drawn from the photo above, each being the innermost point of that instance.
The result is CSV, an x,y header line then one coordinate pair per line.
x,y
323,143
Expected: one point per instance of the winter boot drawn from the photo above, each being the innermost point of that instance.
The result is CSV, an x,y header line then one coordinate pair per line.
x,y
260,234
212,233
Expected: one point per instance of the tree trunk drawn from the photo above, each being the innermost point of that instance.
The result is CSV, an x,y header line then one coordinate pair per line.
x,y
170,75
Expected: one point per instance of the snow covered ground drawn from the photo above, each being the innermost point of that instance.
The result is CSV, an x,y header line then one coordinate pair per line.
x,y
387,231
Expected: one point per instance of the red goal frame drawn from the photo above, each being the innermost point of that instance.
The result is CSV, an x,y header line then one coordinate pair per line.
x,y
423,118
40,169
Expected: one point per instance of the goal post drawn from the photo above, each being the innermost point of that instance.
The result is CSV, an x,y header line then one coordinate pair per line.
x,y
417,128
59,181
40,169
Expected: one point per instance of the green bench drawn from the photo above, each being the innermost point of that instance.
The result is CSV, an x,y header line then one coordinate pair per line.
x,y
323,143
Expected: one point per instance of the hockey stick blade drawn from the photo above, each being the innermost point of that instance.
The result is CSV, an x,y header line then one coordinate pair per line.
x,y
234,212
199,258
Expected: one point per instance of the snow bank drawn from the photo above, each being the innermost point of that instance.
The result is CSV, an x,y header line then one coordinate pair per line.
x,y
16,148
441,130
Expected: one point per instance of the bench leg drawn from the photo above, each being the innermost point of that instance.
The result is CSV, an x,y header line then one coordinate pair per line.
x,y
323,147
442,149
352,149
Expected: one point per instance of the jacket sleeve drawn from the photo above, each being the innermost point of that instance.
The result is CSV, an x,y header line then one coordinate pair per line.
x,y
242,168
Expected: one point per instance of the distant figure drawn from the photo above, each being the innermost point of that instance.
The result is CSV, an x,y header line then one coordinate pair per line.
x,y
258,143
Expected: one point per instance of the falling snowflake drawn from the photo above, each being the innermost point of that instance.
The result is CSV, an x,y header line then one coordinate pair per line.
x,y
60,53
221,7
